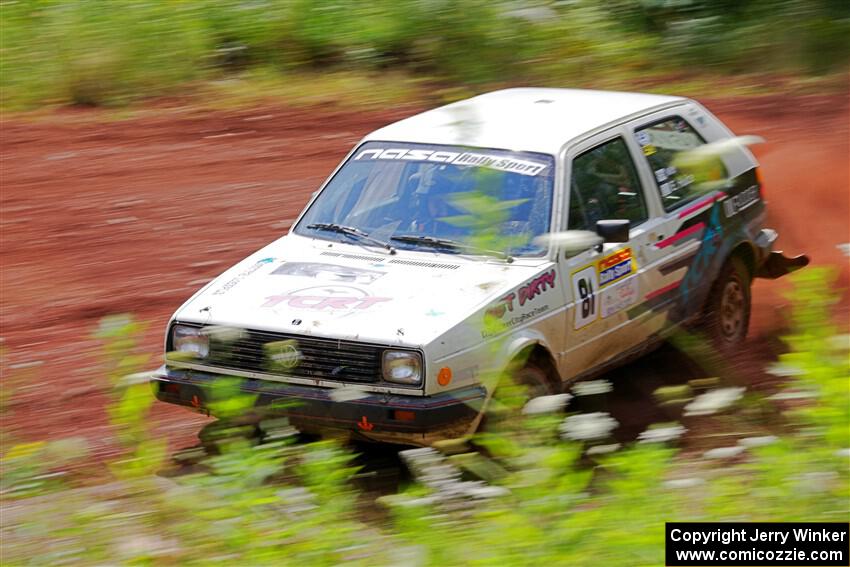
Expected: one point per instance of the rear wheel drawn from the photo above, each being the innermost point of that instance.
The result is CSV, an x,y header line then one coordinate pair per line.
x,y
726,316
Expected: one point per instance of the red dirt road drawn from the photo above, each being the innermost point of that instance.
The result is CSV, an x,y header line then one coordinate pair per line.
x,y
102,216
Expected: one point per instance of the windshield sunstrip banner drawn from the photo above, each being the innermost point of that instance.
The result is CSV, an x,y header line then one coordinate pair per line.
x,y
476,159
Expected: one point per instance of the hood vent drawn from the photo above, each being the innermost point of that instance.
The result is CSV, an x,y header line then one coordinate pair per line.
x,y
417,263
422,264
354,257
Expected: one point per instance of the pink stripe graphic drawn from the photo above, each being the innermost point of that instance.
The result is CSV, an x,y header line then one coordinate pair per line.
x,y
704,203
680,235
661,290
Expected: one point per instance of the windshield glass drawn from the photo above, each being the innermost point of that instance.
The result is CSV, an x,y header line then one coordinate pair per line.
x,y
412,193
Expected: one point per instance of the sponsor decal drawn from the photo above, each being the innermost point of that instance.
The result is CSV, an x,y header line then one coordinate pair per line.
x,y
537,286
737,203
674,140
525,293
696,276
605,287
618,297
662,290
682,234
328,272
490,161
673,184
227,286
615,267
677,263
513,322
326,298
702,204
282,355
655,301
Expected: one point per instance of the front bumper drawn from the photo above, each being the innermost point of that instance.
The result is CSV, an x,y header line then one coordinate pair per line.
x,y
313,409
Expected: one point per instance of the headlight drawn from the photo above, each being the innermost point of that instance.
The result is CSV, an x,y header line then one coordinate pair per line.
x,y
191,340
402,367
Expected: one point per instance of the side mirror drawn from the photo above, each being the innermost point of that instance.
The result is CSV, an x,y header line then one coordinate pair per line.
x,y
615,230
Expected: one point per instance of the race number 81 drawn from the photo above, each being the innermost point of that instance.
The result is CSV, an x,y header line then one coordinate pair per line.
x,y
585,285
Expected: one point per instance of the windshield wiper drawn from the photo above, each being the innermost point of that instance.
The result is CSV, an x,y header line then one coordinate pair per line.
x,y
449,244
351,231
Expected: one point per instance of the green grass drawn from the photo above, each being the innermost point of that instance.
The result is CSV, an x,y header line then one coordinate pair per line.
x,y
86,52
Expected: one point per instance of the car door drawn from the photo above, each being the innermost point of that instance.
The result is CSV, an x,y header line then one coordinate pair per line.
x,y
685,228
604,283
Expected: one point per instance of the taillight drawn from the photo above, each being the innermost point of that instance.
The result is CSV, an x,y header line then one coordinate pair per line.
x,y
760,182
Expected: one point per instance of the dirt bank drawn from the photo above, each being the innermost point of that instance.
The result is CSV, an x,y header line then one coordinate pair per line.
x,y
105,216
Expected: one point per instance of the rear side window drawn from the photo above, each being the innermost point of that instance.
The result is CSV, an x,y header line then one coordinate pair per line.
x,y
605,185
663,144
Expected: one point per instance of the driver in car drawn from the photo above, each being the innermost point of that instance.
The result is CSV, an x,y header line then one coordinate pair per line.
x,y
434,209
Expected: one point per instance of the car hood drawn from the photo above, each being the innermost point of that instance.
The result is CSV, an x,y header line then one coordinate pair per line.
x,y
314,287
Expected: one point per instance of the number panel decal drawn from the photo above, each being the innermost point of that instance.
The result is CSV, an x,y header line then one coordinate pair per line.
x,y
605,287
585,284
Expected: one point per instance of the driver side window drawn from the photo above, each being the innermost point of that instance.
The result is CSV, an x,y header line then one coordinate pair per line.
x,y
605,185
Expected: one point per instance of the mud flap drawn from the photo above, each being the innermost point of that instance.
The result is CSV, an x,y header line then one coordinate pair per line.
x,y
777,265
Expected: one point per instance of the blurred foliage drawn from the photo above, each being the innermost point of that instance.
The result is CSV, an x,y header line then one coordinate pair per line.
x,y
282,502
91,52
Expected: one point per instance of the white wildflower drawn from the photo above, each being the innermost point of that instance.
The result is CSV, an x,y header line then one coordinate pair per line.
x,y
713,401
592,387
692,482
816,481
781,369
570,241
792,395
546,404
138,378
603,449
347,394
223,334
588,426
485,491
661,434
723,452
750,442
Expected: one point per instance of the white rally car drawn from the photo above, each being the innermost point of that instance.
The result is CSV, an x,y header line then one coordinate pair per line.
x,y
375,314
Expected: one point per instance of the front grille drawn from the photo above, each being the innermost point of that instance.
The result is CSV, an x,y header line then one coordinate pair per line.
x,y
297,355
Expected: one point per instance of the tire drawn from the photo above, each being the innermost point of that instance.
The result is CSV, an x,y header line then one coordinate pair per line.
x,y
726,315
535,378
530,375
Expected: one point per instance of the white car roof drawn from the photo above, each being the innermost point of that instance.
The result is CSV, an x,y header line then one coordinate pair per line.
x,y
528,119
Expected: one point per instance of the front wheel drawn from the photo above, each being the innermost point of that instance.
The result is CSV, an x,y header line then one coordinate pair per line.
x,y
726,316
520,384
534,378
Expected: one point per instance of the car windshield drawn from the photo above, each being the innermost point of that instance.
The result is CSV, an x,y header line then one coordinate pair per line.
x,y
421,196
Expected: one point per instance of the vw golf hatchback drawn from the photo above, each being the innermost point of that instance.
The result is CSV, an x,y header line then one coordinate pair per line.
x,y
550,233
